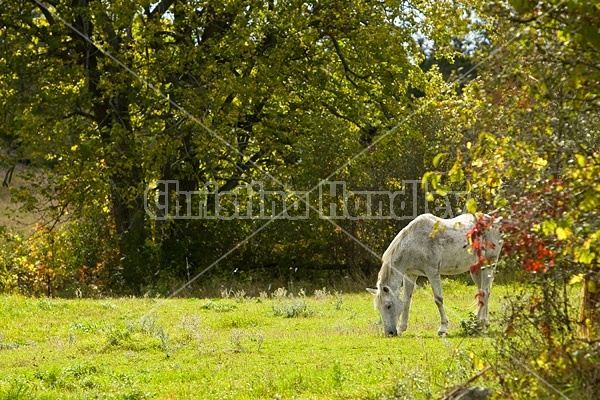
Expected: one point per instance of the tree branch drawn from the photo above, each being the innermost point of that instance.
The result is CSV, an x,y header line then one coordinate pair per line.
x,y
347,68
46,12
336,113
81,114
160,9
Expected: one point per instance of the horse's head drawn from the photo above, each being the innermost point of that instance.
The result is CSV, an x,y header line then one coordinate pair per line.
x,y
390,306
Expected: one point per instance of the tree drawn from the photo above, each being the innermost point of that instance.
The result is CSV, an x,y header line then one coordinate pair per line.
x,y
528,145
108,98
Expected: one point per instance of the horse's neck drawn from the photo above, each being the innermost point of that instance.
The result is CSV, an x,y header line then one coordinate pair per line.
x,y
393,278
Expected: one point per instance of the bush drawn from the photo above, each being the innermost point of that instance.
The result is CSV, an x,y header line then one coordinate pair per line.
x,y
78,258
540,352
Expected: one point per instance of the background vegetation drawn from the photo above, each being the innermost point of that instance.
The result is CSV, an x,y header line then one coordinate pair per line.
x,y
104,100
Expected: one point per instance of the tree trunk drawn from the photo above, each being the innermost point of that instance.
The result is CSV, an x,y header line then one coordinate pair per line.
x,y
175,237
589,317
110,111
129,218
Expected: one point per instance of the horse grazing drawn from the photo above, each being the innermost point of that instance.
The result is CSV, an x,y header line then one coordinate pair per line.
x,y
430,246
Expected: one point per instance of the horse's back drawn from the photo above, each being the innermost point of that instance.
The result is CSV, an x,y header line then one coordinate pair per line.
x,y
432,242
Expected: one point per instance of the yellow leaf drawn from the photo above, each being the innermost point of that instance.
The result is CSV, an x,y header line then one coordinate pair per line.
x,y
479,364
540,163
575,279
477,163
437,159
562,233
471,205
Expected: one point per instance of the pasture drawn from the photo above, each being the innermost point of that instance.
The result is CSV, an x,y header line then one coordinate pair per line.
x,y
314,345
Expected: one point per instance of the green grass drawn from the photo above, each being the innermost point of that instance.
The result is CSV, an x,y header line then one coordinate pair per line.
x,y
314,346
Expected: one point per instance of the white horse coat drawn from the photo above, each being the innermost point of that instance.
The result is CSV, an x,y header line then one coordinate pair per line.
x,y
430,246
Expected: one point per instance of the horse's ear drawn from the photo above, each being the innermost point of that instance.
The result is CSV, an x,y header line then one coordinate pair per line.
x,y
372,291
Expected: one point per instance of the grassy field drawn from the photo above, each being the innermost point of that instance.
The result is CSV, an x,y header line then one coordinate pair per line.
x,y
318,345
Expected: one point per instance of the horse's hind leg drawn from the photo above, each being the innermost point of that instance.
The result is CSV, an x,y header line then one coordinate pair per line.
x,y
436,286
409,285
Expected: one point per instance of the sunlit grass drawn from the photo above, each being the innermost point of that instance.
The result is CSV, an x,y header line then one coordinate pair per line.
x,y
327,345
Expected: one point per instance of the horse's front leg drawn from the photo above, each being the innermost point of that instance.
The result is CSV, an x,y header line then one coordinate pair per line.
x,y
409,285
483,279
436,286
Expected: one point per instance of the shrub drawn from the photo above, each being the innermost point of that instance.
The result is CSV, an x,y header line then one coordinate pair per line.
x,y
77,258
292,309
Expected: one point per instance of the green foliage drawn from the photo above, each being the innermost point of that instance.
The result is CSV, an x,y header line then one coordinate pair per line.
x,y
471,326
540,352
528,145
75,259
226,92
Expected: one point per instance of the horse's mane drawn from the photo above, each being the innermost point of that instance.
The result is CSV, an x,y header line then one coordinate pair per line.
x,y
385,273
391,254
387,269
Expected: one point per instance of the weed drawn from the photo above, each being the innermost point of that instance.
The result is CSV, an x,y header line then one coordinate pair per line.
x,y
259,338
239,321
337,373
135,394
108,305
262,296
17,389
50,378
339,301
471,326
218,306
225,293
280,293
149,326
240,340
164,340
237,337
79,371
322,294
86,327
193,332
7,346
292,309
46,305
116,336
239,295
284,306
191,325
